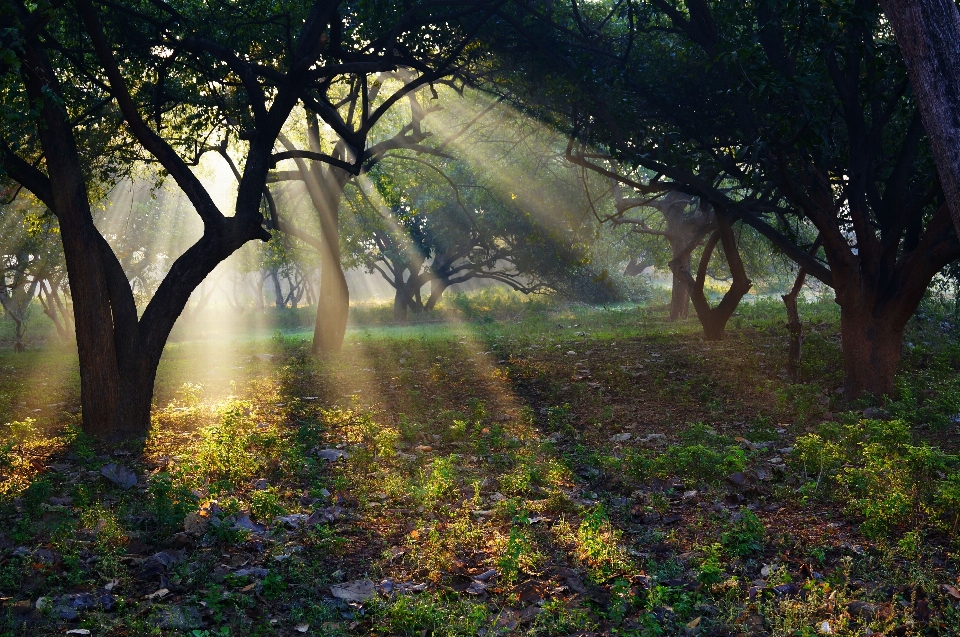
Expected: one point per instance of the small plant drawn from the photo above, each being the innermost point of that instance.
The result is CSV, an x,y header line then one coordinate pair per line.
x,y
558,419
169,502
265,504
622,599
745,535
19,435
705,457
710,572
598,545
273,585
517,556
438,482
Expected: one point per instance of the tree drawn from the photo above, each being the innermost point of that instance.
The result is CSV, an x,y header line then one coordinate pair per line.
x,y
928,32
684,223
174,76
794,118
429,225
359,111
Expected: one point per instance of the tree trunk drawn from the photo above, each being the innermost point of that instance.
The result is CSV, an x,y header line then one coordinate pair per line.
x,y
795,327
437,288
928,32
325,187
400,304
277,290
871,352
679,294
333,305
714,320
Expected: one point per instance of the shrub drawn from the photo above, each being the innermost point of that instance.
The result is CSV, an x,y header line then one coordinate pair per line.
x,y
874,467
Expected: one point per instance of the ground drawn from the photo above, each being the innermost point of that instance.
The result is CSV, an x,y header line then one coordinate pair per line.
x,y
506,468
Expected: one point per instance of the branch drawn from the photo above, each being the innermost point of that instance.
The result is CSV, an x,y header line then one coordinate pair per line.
x,y
156,145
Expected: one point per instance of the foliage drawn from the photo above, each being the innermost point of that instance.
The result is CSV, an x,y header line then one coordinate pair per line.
x,y
745,535
874,466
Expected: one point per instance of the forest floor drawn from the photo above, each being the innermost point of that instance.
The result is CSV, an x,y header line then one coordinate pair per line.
x,y
523,470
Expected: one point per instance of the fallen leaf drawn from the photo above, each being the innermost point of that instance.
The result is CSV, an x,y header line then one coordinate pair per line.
x,y
158,594
737,479
292,521
951,591
356,591
332,454
242,521
302,628
864,611
119,475
256,571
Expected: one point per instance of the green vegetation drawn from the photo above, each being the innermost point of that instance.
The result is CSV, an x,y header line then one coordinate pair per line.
x,y
649,483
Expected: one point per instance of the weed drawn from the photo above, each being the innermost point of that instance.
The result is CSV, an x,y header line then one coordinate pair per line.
x,y
168,502
745,534
559,617
265,504
874,467
598,545
710,571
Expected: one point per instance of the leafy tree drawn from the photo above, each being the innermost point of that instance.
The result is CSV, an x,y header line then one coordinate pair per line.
x,y
793,118
88,90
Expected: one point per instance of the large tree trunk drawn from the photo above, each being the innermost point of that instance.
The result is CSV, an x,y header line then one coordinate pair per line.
x,y
871,351
400,304
928,32
333,305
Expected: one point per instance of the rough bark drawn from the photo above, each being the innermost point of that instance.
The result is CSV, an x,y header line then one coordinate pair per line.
x,y
400,305
928,32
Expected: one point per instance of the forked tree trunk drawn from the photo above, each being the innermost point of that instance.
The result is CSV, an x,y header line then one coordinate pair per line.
x,y
714,319
119,350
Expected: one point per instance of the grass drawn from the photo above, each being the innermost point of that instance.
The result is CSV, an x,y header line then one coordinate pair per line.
x,y
516,468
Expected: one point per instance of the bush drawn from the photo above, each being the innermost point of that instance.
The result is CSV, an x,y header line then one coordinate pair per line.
x,y
875,468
